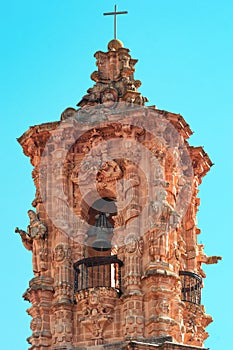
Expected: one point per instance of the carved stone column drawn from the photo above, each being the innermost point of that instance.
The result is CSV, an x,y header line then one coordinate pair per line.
x,y
40,295
62,327
133,325
161,288
62,317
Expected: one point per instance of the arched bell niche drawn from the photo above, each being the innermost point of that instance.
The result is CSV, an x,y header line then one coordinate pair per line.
x,y
100,267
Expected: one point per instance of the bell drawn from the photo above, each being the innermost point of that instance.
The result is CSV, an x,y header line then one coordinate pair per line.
x,y
102,229
101,243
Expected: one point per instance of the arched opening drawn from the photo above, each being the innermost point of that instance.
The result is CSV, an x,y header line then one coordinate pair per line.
x,y
100,267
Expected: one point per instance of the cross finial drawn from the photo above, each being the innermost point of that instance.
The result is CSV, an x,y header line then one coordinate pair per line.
x,y
115,13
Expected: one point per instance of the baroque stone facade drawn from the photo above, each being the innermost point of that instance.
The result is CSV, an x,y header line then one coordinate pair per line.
x,y
113,233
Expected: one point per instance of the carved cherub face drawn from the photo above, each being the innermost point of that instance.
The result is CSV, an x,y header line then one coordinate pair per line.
x,y
59,253
93,298
131,243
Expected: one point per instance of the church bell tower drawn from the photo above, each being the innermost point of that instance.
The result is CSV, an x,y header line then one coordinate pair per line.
x,y
113,232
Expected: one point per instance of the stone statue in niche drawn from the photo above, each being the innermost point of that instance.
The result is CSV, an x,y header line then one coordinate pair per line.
x,y
162,214
162,219
35,239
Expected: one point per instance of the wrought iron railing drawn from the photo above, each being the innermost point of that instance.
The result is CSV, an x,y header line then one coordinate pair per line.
x,y
191,287
98,271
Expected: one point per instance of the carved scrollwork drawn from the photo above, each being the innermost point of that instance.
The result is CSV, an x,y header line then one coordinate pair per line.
x,y
97,305
110,171
133,244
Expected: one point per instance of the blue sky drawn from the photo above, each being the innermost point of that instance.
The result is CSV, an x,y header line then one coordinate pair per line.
x,y
185,54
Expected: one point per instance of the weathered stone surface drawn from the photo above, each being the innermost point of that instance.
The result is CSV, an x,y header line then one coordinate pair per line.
x,y
154,302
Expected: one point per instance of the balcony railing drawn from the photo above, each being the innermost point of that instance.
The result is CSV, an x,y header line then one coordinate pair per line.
x,y
98,271
191,287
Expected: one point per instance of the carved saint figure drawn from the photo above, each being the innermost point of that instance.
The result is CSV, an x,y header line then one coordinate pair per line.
x,y
162,219
35,239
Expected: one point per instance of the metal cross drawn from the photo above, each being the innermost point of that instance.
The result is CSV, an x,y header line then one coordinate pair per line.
x,y
115,13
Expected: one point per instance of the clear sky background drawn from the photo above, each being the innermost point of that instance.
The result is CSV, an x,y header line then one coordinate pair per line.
x,y
185,52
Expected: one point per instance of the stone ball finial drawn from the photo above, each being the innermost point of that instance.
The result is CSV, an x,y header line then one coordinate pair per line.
x,y
115,45
68,113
